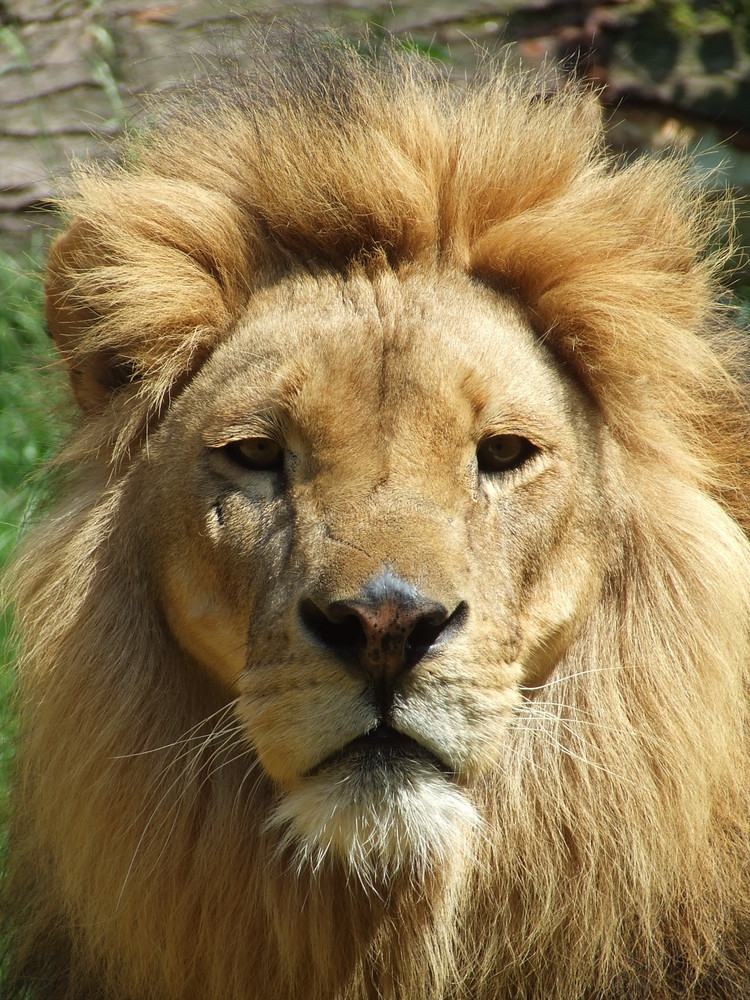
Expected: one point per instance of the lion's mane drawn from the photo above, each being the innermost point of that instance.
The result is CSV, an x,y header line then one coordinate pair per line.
x,y
615,859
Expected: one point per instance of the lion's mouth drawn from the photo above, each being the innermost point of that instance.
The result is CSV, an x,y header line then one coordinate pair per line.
x,y
381,748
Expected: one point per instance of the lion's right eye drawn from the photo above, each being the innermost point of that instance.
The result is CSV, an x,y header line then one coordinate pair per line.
x,y
503,452
260,454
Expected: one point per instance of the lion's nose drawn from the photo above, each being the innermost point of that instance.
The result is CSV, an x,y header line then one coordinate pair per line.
x,y
386,629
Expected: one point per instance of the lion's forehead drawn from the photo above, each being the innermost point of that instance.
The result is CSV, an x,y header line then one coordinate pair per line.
x,y
426,356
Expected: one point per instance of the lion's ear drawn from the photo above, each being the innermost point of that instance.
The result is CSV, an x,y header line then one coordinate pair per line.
x,y
149,275
71,321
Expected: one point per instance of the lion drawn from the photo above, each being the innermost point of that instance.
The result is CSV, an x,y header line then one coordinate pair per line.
x,y
388,636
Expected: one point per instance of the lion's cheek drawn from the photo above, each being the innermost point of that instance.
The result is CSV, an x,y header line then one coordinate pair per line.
x,y
206,624
555,606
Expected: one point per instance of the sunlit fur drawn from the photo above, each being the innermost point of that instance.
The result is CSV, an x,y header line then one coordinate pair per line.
x,y
605,853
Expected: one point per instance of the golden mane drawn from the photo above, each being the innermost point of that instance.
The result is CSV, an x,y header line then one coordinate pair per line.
x,y
327,158
616,862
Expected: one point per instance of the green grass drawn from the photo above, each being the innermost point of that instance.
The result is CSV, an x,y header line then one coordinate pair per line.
x,y
29,431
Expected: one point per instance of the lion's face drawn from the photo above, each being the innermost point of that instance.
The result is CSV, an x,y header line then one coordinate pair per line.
x,y
394,518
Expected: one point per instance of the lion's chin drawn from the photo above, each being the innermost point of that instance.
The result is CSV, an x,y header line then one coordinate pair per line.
x,y
379,814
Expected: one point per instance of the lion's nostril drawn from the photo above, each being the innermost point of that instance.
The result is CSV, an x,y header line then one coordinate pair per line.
x,y
386,630
342,634
433,632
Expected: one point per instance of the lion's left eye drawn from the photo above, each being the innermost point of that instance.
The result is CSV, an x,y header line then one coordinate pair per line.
x,y
261,454
503,452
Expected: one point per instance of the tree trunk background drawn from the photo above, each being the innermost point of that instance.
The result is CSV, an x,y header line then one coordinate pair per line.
x,y
74,72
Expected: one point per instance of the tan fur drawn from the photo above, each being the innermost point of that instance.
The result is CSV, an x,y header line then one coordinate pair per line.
x,y
378,271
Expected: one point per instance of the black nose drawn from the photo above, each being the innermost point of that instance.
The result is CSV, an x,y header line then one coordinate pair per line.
x,y
386,629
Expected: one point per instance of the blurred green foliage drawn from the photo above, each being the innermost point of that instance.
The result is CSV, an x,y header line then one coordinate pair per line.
x,y
28,434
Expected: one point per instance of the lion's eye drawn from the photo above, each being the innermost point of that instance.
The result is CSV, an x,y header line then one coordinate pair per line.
x,y
503,452
259,453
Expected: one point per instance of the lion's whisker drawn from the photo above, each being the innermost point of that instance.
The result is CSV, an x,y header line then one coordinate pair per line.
x,y
185,738
192,763
565,678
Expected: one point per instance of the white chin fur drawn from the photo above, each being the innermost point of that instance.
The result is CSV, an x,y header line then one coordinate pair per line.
x,y
378,823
